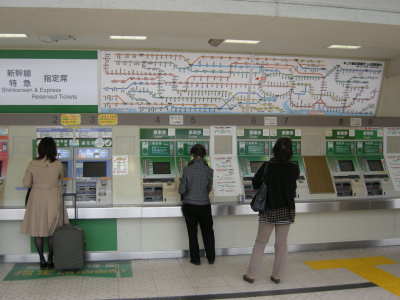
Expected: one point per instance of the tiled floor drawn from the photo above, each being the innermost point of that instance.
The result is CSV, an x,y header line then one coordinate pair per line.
x,y
177,277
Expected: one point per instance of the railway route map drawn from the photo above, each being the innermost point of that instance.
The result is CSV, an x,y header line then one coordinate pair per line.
x,y
204,83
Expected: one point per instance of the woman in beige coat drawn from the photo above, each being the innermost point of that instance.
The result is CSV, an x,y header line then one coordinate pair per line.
x,y
43,212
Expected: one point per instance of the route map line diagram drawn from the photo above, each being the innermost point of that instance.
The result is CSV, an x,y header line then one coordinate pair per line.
x,y
152,82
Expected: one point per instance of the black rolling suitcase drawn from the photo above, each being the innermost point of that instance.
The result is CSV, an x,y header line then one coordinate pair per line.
x,y
69,244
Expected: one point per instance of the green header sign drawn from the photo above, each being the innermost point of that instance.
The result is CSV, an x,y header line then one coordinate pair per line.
x,y
191,133
290,133
340,134
156,134
369,134
340,147
370,147
49,54
156,148
253,148
252,134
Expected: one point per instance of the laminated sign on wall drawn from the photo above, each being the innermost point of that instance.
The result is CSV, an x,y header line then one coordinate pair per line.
x,y
67,83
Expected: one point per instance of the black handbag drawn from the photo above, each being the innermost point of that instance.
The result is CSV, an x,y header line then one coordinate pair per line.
x,y
260,198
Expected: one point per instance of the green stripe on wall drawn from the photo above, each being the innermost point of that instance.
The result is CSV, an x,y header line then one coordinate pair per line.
x,y
48,109
100,235
48,54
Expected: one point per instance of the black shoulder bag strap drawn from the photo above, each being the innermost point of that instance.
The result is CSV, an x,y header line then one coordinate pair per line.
x,y
264,176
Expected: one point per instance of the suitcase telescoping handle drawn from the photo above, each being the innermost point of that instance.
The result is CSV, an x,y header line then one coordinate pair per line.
x,y
73,195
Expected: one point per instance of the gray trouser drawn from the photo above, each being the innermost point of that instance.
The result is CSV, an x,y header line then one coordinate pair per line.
x,y
264,232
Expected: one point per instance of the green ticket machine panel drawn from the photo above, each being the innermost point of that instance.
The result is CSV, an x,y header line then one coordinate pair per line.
x,y
158,171
254,147
253,150
373,165
164,153
183,156
345,169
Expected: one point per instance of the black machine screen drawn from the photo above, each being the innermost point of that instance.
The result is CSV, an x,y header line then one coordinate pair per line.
x,y
94,169
161,168
375,165
255,165
65,168
346,165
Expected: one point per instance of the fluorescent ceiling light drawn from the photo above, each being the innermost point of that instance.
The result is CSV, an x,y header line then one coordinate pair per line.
x,y
344,47
241,42
13,35
128,37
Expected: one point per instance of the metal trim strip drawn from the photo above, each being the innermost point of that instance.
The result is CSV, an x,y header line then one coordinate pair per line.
x,y
232,209
101,256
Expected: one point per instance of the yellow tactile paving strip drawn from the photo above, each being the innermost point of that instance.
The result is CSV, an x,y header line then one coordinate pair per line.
x,y
364,267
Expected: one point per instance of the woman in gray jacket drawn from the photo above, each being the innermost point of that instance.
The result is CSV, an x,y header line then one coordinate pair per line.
x,y
195,186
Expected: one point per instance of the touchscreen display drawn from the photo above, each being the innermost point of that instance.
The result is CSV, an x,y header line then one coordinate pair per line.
x,y
346,165
375,165
94,169
161,168
65,168
255,165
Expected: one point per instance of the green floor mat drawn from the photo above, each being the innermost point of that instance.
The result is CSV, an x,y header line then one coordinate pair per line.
x,y
112,269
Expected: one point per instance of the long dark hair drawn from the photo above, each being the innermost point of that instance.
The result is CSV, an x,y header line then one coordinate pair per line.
x,y
283,150
47,149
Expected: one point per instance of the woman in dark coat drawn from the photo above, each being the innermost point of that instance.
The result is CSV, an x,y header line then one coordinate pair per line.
x,y
279,213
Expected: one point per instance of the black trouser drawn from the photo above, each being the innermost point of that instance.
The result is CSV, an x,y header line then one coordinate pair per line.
x,y
194,215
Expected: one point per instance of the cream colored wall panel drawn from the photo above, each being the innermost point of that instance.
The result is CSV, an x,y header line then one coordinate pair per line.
x,y
20,153
382,224
245,230
224,231
164,234
313,141
12,241
129,235
304,229
389,101
127,189
355,225
15,173
397,223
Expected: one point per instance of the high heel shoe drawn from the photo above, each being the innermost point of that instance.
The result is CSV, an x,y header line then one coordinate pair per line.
x,y
43,264
50,264
275,280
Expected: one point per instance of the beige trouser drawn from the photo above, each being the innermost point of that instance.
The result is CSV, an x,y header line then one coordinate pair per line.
x,y
264,232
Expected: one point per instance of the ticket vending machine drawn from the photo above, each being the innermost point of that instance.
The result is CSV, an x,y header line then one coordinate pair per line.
x,y
183,156
345,169
376,176
66,156
3,167
159,173
93,176
302,191
251,155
